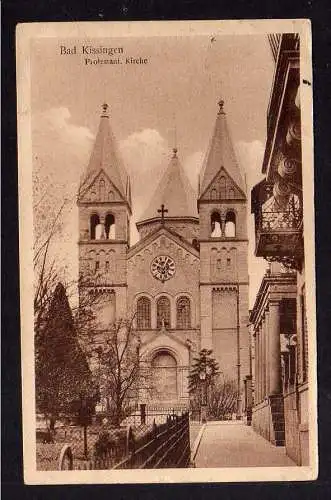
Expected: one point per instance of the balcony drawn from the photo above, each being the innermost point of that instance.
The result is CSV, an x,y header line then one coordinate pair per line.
x,y
278,227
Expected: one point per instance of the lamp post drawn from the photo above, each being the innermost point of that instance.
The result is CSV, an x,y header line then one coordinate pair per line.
x,y
203,395
203,376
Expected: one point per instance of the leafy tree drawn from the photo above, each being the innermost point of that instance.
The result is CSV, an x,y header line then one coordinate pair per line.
x,y
63,376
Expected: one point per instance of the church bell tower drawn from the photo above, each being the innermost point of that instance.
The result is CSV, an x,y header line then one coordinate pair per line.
x,y
222,206
104,203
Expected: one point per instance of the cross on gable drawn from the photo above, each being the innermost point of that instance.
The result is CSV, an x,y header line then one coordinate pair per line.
x,y
162,211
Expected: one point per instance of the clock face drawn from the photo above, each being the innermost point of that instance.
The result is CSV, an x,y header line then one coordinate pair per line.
x,y
163,267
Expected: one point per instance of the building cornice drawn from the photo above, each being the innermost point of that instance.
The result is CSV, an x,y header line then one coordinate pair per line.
x,y
268,280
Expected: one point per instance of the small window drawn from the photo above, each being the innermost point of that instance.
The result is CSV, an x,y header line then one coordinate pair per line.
x,y
213,194
102,190
110,227
107,266
222,187
230,225
228,261
97,265
94,223
216,228
195,244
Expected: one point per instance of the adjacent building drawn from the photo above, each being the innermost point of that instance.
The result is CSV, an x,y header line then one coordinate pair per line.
x,y
280,411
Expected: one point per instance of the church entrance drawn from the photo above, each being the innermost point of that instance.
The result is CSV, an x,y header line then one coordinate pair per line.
x,y
164,376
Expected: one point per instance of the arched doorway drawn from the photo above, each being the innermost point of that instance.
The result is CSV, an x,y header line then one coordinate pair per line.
x,y
164,376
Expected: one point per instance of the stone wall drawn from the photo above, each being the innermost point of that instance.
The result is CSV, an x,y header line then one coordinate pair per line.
x,y
261,419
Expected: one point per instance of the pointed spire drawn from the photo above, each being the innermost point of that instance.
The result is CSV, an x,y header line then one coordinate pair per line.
x,y
105,156
220,154
173,191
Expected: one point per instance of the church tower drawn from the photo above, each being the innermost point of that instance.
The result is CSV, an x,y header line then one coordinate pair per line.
x,y
104,203
222,206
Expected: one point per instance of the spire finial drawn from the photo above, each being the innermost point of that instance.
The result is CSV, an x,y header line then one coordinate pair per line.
x,y
105,108
174,152
221,105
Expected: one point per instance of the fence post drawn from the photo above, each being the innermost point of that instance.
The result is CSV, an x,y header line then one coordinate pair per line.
x,y
143,413
130,445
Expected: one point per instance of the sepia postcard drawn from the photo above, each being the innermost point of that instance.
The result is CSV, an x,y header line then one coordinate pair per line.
x,y
167,260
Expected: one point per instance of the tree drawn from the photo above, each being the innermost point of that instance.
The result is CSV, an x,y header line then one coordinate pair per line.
x,y
120,367
202,376
63,376
203,364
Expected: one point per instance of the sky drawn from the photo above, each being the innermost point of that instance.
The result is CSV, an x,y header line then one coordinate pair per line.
x,y
170,100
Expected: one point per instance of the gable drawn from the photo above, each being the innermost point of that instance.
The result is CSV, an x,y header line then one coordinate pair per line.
x,y
222,187
184,271
169,238
100,189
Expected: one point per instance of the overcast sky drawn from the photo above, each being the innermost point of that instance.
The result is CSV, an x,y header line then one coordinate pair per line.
x,y
171,98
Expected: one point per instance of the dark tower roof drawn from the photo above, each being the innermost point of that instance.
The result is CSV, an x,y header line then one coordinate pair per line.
x,y
105,156
174,191
220,154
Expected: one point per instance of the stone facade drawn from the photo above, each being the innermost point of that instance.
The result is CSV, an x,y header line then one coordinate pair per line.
x,y
201,300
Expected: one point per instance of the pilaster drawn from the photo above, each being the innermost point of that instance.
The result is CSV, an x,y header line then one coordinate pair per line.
x,y
274,347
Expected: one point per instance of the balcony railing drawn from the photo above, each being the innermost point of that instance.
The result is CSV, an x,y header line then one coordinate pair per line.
x,y
278,221
279,235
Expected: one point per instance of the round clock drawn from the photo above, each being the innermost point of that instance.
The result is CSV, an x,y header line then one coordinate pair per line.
x,y
163,267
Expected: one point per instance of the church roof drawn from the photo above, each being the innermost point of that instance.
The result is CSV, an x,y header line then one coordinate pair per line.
x,y
220,153
106,157
174,191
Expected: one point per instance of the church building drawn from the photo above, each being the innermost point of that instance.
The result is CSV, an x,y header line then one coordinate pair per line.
x,y
186,279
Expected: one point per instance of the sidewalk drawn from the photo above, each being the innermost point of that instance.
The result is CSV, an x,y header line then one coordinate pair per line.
x,y
234,444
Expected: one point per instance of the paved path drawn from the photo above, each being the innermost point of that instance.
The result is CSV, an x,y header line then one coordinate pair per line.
x,y
234,444
194,431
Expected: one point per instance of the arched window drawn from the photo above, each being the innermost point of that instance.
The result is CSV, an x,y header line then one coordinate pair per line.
x,y
222,187
183,309
163,312
101,190
230,225
164,376
215,220
94,223
110,227
231,193
143,313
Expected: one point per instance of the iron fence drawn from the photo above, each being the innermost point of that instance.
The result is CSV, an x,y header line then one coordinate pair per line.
x,y
142,446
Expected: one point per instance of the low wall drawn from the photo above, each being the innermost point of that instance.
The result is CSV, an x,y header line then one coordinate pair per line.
x,y
296,425
261,419
304,426
292,439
